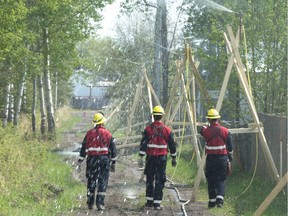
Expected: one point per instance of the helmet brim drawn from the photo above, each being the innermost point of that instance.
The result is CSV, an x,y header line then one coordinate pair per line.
x,y
159,114
213,117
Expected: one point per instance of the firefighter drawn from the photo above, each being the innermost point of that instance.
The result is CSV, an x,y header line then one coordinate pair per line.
x,y
100,149
157,139
219,151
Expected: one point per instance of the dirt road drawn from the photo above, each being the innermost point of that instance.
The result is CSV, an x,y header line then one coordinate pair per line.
x,y
125,195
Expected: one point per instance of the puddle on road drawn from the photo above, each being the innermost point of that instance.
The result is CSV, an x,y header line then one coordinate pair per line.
x,y
71,151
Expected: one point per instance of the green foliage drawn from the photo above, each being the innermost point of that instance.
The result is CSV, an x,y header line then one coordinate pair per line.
x,y
21,41
266,36
12,15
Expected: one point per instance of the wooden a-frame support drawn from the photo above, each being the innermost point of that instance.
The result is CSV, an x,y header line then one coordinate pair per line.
x,y
243,80
236,60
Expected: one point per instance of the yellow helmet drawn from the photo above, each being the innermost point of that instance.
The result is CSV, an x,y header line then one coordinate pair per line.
x,y
213,114
99,119
158,110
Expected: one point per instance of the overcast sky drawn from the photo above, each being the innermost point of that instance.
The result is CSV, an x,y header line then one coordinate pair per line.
x,y
110,16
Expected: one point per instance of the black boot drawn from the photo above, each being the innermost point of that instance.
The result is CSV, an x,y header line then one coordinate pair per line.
x,y
211,204
219,203
90,201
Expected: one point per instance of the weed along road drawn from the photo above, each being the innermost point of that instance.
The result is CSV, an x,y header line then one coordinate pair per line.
x,y
125,194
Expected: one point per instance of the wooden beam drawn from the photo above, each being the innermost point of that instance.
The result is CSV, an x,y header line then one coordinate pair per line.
x,y
150,102
128,138
130,145
200,83
134,105
272,195
176,108
134,125
172,92
115,110
192,122
151,88
185,123
228,70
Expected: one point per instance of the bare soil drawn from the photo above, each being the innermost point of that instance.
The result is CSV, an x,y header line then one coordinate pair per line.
x,y
125,195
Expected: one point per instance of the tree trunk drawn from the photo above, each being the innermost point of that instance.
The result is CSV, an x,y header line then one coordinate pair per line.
x,y
34,103
47,82
56,91
165,53
24,101
42,106
19,98
11,104
157,52
6,110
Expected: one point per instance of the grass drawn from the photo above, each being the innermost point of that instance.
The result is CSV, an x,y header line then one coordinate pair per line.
x,y
44,193
242,198
33,180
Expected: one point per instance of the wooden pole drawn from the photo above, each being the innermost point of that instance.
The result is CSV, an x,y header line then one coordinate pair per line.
x,y
176,108
151,87
172,92
228,72
192,123
115,110
131,114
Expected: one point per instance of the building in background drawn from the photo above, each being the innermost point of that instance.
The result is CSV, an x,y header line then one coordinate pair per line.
x,y
90,95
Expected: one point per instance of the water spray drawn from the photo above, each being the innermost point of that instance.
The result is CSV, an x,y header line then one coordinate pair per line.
x,y
216,6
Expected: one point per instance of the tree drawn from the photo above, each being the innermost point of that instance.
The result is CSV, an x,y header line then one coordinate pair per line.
x,y
266,48
41,37
160,70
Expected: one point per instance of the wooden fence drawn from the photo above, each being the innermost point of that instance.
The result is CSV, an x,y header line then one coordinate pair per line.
x,y
246,152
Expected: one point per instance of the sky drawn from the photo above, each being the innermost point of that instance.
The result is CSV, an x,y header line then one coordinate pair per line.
x,y
110,16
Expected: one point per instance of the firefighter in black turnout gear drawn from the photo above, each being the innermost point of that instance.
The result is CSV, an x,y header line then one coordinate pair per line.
x,y
219,150
100,149
157,139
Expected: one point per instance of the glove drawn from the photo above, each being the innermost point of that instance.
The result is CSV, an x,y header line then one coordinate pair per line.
x,y
174,162
230,157
141,162
112,168
78,168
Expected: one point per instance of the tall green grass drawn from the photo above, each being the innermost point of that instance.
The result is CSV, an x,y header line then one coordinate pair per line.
x,y
33,180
